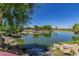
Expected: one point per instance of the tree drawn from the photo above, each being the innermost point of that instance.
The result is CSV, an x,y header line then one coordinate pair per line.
x,y
16,14
76,27
47,27
36,27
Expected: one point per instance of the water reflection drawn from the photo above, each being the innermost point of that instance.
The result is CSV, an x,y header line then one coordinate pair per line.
x,y
37,43
20,42
46,35
75,38
36,35
48,38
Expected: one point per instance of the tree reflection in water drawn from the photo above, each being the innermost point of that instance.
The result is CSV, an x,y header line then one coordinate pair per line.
x,y
75,38
36,35
46,35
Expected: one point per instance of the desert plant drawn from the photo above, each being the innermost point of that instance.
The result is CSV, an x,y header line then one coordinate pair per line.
x,y
72,52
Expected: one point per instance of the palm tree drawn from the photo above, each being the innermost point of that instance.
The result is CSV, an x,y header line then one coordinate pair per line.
x,y
16,14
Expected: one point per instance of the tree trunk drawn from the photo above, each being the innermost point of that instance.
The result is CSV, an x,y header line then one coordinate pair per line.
x,y
1,16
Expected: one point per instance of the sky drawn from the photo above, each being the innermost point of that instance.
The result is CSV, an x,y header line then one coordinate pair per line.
x,y
61,15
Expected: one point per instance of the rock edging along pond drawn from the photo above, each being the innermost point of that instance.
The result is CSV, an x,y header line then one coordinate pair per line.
x,y
65,49
19,46
16,49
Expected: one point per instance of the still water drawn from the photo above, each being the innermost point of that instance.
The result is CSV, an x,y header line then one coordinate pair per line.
x,y
48,38
37,44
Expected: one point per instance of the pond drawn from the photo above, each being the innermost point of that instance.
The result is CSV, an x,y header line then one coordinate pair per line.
x,y
36,41
48,38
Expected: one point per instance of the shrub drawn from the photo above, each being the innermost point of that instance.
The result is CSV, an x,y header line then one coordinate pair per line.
x,y
72,52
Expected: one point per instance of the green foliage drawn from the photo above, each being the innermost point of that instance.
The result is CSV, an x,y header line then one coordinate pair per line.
x,y
47,27
74,41
44,27
47,35
16,14
20,41
76,26
36,27
60,43
36,35
75,38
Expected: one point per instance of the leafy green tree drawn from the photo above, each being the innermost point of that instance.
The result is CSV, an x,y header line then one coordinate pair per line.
x,y
76,27
16,14
47,27
36,27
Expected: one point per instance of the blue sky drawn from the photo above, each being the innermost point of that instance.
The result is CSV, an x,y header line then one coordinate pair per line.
x,y
56,14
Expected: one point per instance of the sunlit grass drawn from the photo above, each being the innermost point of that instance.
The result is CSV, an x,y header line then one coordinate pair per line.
x,y
72,42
